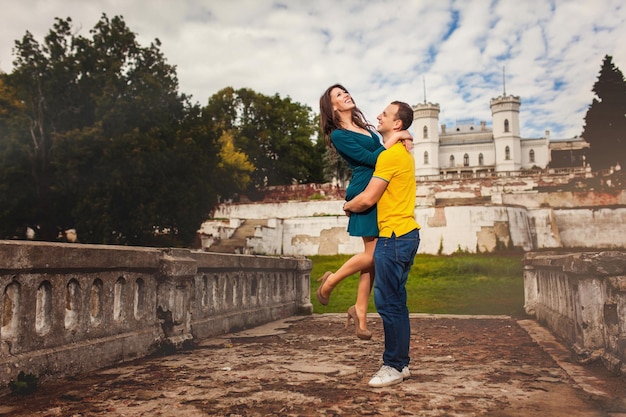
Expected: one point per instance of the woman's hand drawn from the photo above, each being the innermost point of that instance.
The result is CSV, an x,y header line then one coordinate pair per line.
x,y
401,135
408,144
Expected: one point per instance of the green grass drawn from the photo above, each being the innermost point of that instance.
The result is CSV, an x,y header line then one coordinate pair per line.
x,y
490,284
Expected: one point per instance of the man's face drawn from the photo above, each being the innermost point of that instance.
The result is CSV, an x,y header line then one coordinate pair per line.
x,y
387,122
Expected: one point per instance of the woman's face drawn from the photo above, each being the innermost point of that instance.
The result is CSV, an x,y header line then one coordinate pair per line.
x,y
341,100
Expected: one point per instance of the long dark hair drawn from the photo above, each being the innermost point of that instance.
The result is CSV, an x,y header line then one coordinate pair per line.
x,y
330,121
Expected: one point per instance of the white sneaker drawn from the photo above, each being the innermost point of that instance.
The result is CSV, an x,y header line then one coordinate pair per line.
x,y
386,376
406,374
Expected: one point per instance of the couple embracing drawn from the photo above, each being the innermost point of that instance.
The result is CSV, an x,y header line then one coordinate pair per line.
x,y
380,201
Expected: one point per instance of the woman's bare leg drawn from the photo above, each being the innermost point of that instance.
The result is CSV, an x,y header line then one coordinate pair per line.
x,y
359,262
363,263
366,281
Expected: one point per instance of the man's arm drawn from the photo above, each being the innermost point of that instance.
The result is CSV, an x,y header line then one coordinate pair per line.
x,y
368,197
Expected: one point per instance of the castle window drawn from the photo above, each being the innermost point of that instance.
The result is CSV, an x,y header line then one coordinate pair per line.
x,y
531,155
481,159
466,160
425,132
506,125
452,161
507,153
426,158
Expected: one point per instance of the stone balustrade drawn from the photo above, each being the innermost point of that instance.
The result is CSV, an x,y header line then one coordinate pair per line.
x,y
581,297
70,308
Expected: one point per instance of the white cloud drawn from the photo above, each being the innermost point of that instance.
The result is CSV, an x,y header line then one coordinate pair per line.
x,y
380,49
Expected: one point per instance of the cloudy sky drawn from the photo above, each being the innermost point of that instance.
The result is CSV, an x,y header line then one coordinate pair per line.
x,y
550,51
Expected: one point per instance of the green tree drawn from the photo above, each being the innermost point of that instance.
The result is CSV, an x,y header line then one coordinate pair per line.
x,y
333,167
605,121
318,160
17,197
42,84
336,167
275,133
110,146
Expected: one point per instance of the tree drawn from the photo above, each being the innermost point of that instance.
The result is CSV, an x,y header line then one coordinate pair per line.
x,y
275,133
336,168
110,146
17,197
94,135
41,84
232,163
605,121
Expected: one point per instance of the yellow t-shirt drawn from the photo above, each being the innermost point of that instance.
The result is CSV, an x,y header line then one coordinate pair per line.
x,y
396,207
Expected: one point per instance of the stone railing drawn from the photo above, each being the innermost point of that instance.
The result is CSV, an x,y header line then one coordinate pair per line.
x,y
581,297
69,308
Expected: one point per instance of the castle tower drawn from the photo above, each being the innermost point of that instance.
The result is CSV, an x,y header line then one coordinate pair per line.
x,y
506,133
426,138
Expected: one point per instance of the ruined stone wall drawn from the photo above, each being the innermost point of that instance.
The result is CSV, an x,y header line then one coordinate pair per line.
x,y
69,308
581,297
569,208
319,228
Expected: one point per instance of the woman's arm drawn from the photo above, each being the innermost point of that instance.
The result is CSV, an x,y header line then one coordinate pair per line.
x,y
354,152
401,135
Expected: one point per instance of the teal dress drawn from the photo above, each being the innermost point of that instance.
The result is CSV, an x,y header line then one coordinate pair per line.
x,y
360,152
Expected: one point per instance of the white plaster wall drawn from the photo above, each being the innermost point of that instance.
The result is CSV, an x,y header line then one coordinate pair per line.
x,y
542,153
280,210
458,233
319,227
429,235
520,228
563,199
306,236
328,236
592,228
544,228
467,228
267,240
320,236
220,229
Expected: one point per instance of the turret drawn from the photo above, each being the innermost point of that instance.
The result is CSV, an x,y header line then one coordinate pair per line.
x,y
426,138
506,132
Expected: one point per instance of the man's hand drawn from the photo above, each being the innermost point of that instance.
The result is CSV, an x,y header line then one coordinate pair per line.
x,y
370,196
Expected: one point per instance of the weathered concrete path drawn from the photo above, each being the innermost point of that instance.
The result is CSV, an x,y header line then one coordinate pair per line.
x,y
312,366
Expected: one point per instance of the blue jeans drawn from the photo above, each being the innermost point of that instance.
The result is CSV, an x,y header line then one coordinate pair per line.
x,y
393,258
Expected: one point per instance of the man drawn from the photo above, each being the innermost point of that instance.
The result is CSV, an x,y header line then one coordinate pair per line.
x,y
393,188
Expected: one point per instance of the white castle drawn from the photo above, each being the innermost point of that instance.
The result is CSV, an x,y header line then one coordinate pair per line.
x,y
476,149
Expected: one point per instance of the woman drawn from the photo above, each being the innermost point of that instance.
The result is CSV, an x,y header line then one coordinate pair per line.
x,y
347,131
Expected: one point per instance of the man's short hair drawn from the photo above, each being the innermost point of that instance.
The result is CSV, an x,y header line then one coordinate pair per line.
x,y
405,114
